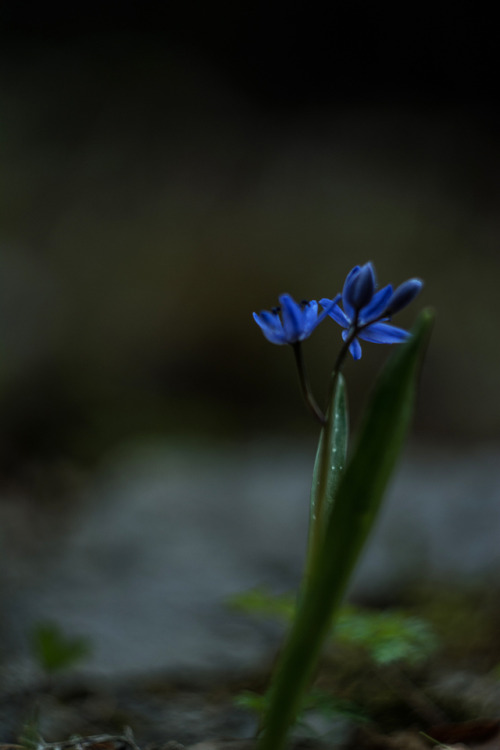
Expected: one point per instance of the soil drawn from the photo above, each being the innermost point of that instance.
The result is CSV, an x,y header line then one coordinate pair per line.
x,y
189,713
156,713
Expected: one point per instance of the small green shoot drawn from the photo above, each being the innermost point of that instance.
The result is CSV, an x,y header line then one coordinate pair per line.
x,y
29,737
386,637
54,650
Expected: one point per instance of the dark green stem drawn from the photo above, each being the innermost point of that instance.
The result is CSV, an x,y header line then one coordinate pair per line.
x,y
305,386
354,331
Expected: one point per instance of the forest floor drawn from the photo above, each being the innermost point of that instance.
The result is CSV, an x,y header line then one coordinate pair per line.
x,y
450,699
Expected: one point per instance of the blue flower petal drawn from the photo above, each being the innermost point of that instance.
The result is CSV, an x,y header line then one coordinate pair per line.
x,y
347,291
355,349
354,346
271,327
292,316
328,306
336,313
363,287
309,317
383,333
376,307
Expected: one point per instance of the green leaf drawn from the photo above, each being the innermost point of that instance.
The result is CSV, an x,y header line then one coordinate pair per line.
x,y
329,465
388,636
378,447
259,601
254,702
356,505
54,650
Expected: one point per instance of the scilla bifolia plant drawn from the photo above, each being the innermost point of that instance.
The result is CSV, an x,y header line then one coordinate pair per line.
x,y
346,492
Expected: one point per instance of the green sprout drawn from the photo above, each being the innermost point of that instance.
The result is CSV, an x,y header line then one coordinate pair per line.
x,y
54,650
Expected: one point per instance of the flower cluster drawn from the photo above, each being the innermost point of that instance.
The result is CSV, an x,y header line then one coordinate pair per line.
x,y
364,314
366,311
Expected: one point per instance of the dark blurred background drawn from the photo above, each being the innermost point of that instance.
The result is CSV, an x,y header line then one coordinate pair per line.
x,y
169,168
166,170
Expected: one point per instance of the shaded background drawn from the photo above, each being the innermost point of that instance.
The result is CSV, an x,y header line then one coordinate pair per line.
x,y
166,170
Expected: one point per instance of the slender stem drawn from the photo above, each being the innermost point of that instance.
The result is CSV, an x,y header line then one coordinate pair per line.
x,y
354,331
305,386
342,353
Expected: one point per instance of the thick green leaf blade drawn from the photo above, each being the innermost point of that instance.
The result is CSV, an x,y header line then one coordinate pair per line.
x,y
357,502
329,465
374,457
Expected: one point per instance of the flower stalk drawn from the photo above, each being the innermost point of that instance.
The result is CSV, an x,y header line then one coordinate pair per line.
x,y
305,386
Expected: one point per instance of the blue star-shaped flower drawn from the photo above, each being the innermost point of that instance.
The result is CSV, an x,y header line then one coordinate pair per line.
x,y
366,311
297,320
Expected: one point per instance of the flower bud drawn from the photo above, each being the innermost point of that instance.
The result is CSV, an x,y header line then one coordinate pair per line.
x,y
403,295
363,287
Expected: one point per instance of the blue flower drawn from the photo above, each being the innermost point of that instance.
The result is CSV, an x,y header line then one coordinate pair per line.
x,y
296,322
367,311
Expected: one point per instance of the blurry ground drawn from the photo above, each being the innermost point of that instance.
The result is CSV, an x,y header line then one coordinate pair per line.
x,y
144,558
